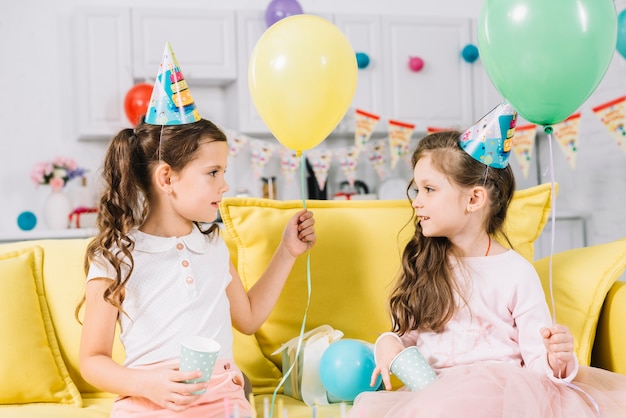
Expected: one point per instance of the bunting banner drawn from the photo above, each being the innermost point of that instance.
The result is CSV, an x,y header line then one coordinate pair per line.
x,y
433,129
236,142
377,156
523,146
399,140
261,152
613,115
348,159
289,164
365,123
566,135
320,160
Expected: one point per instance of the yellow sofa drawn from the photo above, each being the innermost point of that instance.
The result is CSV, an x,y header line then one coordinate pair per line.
x,y
349,274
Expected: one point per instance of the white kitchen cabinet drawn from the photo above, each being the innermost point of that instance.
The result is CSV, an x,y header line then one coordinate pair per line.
x,y
117,47
441,93
486,96
203,39
244,116
102,70
364,34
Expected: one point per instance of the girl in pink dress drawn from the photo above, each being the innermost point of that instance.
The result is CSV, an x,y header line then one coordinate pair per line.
x,y
475,309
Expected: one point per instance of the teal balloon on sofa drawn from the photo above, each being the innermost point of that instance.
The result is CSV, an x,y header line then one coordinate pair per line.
x,y
546,57
346,369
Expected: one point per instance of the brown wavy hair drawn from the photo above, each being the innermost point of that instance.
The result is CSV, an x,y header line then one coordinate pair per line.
x,y
423,297
130,159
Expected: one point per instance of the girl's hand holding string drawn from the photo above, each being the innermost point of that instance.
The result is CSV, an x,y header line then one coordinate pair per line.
x,y
165,387
559,342
299,234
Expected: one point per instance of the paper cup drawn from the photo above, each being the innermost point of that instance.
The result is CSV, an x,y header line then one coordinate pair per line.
x,y
199,353
412,368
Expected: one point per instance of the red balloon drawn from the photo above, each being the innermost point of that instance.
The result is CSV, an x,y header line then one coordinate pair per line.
x,y
136,102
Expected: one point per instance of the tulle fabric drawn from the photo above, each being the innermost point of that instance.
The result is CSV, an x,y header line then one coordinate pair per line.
x,y
495,390
226,383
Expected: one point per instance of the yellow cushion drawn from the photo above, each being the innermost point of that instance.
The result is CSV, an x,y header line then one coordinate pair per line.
x,y
353,265
608,352
29,352
581,279
527,215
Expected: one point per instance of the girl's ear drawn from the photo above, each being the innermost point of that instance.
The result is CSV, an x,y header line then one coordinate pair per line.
x,y
478,199
163,177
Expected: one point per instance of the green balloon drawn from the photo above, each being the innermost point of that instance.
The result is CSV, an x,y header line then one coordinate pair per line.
x,y
546,57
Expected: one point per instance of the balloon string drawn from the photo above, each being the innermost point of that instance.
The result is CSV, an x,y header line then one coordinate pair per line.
x,y
548,130
308,300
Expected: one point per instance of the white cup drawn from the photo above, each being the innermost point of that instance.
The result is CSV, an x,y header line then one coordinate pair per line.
x,y
412,368
198,353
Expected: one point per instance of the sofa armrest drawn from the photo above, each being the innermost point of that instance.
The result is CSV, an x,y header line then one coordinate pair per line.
x,y
609,350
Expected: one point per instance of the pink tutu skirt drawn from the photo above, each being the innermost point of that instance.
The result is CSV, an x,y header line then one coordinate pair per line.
x,y
225,392
498,390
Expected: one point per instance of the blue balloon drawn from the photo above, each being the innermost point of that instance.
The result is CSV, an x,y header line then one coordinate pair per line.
x,y
470,53
26,221
346,369
621,33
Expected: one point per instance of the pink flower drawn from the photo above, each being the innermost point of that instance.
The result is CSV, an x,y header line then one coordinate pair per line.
x,y
56,173
56,183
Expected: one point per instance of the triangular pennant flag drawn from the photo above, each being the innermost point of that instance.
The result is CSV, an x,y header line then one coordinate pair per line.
x,y
613,116
433,129
289,163
236,142
171,102
365,123
378,152
348,160
320,163
261,152
523,146
399,140
566,135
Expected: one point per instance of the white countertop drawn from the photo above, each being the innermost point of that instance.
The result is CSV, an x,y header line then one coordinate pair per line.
x,y
37,234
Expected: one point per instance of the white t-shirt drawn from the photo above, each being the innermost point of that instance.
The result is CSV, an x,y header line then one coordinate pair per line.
x,y
177,289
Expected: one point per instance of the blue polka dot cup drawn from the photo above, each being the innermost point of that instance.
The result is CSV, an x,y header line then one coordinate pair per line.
x,y
199,353
412,368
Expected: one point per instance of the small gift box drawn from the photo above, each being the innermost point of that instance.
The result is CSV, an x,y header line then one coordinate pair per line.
x,y
83,217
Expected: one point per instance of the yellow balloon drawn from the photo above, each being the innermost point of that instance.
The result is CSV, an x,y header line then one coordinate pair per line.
x,y
302,77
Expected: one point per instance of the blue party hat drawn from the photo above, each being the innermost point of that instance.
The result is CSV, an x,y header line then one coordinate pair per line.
x,y
489,140
171,102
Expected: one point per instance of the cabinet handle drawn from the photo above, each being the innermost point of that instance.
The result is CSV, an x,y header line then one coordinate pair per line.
x,y
470,53
416,64
362,60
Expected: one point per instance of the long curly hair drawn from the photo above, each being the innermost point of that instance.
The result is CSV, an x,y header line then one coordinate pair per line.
x,y
130,159
423,297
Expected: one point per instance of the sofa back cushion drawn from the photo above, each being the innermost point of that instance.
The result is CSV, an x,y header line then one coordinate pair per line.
x,y
581,279
352,267
31,365
64,286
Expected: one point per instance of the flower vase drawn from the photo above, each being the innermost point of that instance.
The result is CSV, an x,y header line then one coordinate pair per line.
x,y
57,209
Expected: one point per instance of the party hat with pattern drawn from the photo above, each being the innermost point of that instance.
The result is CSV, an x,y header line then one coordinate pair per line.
x,y
490,139
171,102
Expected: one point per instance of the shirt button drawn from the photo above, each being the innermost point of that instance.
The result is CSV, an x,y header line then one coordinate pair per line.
x,y
180,246
185,263
189,280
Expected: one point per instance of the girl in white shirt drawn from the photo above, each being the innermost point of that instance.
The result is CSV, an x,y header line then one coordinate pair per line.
x,y
157,268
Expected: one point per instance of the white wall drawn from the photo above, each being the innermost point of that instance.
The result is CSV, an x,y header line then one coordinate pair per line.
x,y
37,120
